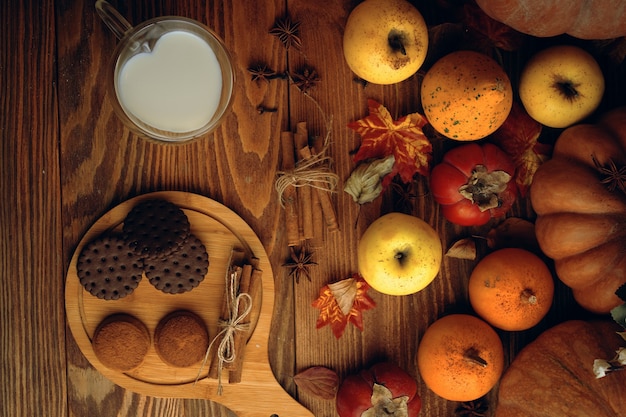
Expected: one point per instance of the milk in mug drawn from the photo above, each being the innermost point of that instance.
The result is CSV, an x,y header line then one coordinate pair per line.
x,y
175,87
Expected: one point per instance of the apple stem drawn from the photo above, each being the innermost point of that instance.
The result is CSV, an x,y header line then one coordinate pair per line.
x,y
472,355
528,296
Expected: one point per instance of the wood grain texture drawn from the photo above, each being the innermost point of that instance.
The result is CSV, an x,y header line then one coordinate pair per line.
x,y
66,159
32,360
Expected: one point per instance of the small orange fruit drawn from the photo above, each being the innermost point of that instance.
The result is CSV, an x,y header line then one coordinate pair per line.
x,y
511,288
460,357
466,95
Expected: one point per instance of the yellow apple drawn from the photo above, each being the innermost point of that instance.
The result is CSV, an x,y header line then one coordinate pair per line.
x,y
399,254
385,41
561,85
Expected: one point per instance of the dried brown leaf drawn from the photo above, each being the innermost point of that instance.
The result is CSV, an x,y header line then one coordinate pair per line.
x,y
463,249
318,381
615,49
344,292
513,233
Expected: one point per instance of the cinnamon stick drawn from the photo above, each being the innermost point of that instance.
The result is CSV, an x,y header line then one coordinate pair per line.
x,y
253,288
328,210
235,272
318,218
301,139
289,194
317,240
244,287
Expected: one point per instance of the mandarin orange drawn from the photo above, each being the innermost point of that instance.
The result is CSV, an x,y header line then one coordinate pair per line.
x,y
511,289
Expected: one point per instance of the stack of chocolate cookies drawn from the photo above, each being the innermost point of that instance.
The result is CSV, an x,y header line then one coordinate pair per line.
x,y
155,240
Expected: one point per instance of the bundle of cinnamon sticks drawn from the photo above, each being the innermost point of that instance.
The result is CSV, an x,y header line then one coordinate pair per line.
x,y
245,278
309,209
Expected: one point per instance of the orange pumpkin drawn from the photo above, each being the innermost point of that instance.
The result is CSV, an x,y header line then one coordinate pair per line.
x,y
466,95
581,210
553,376
584,19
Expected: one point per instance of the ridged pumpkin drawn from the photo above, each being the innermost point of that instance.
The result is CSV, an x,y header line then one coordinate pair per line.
x,y
553,376
584,19
581,211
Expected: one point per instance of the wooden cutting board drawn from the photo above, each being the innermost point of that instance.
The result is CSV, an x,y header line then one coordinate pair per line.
x,y
221,230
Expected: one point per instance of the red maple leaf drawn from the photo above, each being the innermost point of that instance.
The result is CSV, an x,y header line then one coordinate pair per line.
x,y
518,137
382,136
343,302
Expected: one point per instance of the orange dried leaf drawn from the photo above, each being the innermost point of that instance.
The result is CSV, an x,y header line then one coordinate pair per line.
x,y
351,296
518,137
382,136
513,233
318,381
463,249
614,49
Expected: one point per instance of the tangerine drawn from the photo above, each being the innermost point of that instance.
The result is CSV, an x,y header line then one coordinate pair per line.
x,y
512,289
460,357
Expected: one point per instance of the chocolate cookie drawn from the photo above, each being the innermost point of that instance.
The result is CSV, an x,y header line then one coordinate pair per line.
x,y
182,270
121,342
155,228
108,268
181,338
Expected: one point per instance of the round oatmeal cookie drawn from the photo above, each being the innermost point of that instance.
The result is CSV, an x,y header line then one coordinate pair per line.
x,y
182,271
181,338
121,342
155,228
108,268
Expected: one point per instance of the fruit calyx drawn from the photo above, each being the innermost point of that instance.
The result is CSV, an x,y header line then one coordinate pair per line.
x,y
383,403
566,88
528,297
472,355
483,188
396,41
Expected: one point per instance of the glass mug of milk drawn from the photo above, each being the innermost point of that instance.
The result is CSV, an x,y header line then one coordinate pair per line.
x,y
172,77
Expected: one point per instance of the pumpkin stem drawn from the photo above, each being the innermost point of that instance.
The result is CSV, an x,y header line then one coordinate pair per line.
x,y
472,355
528,296
613,176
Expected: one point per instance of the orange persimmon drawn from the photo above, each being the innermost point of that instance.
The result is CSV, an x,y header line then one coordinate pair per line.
x,y
511,289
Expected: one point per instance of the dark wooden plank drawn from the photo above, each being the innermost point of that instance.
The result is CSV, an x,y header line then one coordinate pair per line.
x,y
32,318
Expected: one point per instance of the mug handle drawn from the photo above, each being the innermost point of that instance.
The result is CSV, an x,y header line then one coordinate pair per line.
x,y
113,19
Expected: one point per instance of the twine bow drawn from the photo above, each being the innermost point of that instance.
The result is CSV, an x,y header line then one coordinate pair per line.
x,y
226,348
312,172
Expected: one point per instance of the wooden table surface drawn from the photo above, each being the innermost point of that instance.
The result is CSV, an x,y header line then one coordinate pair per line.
x,y
66,159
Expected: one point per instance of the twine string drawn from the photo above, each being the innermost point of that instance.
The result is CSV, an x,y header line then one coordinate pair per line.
x,y
311,172
226,348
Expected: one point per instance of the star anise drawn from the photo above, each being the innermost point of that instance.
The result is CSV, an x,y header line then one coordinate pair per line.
x,y
613,176
300,263
305,79
403,195
476,408
288,32
261,72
